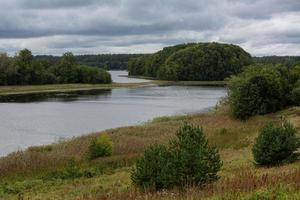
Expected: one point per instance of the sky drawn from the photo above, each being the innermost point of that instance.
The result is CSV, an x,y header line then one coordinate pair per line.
x,y
261,27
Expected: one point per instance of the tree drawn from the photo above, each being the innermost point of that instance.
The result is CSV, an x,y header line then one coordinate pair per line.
x,y
187,160
258,90
195,161
154,170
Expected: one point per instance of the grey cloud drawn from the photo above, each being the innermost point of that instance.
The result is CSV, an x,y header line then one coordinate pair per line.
x,y
121,25
60,4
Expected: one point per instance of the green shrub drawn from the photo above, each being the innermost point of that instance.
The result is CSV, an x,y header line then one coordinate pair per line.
x,y
154,169
100,147
258,90
275,144
187,160
195,161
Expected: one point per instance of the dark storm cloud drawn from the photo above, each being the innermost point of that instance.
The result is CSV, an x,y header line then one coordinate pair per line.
x,y
141,25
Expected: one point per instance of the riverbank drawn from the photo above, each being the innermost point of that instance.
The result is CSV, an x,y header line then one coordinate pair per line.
x,y
63,88
32,173
183,83
6,91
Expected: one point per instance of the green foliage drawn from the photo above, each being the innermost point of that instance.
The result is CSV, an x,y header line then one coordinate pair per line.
x,y
193,62
195,161
258,90
154,170
100,147
262,89
295,94
275,144
104,61
23,69
187,160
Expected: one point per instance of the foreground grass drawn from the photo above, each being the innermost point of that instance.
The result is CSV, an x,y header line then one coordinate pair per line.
x,y
26,174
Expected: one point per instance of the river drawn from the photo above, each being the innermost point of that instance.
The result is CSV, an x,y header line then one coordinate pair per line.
x,y
46,120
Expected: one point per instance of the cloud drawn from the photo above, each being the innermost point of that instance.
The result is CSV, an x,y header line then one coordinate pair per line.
x,y
128,26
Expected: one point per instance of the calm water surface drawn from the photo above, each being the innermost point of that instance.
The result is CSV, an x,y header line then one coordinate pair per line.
x,y
45,120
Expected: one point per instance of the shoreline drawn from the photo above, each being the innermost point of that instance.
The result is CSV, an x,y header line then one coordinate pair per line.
x,y
10,91
63,88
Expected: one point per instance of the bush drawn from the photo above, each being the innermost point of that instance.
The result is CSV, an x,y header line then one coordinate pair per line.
x,y
153,170
187,160
100,147
258,90
275,144
195,161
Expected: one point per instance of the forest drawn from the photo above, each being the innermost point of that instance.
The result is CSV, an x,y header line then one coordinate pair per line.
x,y
23,69
105,61
192,62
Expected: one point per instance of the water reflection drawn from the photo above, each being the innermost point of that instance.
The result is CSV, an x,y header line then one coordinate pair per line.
x,y
52,97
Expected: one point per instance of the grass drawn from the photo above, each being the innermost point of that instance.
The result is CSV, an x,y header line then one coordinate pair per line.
x,y
23,173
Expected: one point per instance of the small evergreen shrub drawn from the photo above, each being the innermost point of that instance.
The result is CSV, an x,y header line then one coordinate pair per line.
x,y
187,160
154,169
275,144
100,147
194,160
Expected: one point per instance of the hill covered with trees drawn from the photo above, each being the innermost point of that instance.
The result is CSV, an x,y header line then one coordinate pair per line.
x,y
23,69
192,62
105,61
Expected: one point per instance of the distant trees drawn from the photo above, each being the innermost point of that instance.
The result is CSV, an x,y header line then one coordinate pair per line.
x,y
103,61
194,62
23,69
288,61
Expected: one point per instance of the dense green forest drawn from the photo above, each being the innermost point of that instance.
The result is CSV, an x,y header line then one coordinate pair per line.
x,y
23,69
105,61
193,62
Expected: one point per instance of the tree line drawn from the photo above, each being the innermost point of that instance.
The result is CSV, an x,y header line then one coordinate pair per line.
x,y
288,61
192,62
23,69
105,61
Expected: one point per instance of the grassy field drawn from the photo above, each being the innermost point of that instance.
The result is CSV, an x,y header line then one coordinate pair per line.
x,y
31,174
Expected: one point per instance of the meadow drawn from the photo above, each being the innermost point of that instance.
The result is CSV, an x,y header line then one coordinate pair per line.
x,y
37,172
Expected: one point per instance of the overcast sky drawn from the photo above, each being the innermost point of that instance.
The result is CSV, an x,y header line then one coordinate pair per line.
x,y
262,27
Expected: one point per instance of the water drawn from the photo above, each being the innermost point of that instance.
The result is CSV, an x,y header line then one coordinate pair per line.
x,y
45,120
120,77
